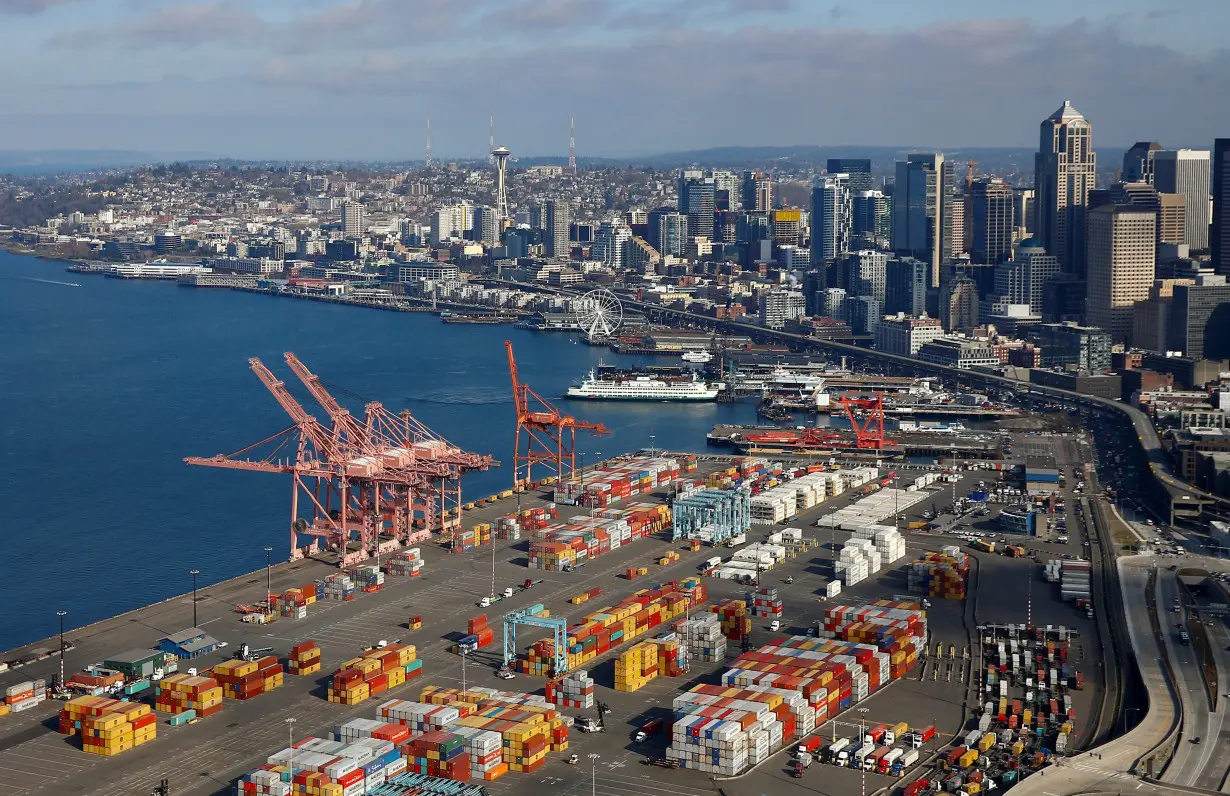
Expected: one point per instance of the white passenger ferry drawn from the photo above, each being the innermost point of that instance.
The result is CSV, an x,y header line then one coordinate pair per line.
x,y
619,385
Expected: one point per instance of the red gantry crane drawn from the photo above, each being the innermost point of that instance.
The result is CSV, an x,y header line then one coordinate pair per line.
x,y
550,435
868,433
385,475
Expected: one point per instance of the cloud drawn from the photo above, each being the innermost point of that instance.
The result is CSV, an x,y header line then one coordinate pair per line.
x,y
544,15
755,6
669,87
30,6
186,25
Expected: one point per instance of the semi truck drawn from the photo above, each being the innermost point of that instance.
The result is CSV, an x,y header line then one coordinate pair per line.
x,y
908,758
885,763
834,749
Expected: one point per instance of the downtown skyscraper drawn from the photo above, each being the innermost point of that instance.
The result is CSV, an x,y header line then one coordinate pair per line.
x,y
831,218
919,213
1064,173
1186,172
1219,231
557,223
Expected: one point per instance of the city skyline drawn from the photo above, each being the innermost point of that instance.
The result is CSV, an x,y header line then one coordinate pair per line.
x,y
275,79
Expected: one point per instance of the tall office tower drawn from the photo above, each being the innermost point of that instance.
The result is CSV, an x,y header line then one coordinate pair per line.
x,y
1197,325
699,195
728,182
354,224
681,186
667,231
871,218
756,191
957,230
864,273
1039,267
1219,231
557,222
1138,162
993,221
1186,172
1023,211
609,242
1170,207
918,210
486,225
1065,170
1122,256
858,169
831,211
959,305
905,286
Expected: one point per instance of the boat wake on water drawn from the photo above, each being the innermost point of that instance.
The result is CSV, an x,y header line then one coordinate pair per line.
x,y
47,281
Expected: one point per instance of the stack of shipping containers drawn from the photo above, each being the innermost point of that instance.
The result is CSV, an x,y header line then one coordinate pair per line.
x,y
940,574
573,690
304,658
247,679
405,564
374,673
108,726
182,692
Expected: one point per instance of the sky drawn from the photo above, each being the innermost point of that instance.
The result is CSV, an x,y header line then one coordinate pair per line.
x,y
292,79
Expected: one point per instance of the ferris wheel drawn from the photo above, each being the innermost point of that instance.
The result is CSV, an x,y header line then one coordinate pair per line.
x,y
599,313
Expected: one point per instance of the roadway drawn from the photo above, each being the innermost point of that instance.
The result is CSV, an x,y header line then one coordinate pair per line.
x,y
1191,763
1110,767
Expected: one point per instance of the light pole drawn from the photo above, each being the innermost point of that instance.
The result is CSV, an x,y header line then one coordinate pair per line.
x,y
1125,717
269,579
61,614
462,651
862,723
290,743
194,573
593,776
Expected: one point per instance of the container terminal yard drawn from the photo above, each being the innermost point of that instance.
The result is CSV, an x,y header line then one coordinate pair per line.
x,y
1038,686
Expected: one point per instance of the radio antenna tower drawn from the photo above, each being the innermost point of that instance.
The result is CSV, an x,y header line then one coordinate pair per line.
x,y
428,142
491,143
572,145
500,155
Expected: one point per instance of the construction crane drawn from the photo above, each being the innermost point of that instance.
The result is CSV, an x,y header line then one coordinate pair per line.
x,y
549,435
387,480
868,433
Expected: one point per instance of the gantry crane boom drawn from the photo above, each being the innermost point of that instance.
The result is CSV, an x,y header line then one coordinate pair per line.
x,y
389,480
343,421
309,425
